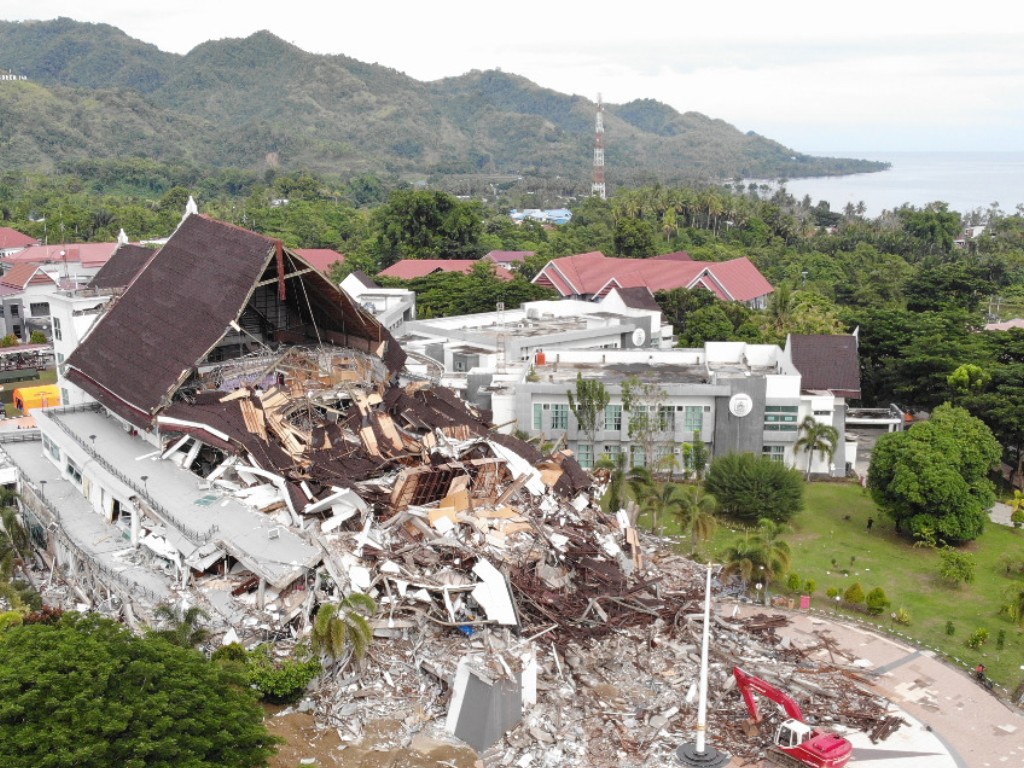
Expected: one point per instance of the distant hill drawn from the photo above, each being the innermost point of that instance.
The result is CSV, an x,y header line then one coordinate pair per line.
x,y
93,92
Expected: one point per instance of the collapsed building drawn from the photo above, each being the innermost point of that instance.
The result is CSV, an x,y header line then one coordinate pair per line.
x,y
244,437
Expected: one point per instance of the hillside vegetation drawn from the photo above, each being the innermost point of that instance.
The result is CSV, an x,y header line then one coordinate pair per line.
x,y
260,102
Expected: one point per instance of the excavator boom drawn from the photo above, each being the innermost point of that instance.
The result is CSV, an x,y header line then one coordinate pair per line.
x,y
748,684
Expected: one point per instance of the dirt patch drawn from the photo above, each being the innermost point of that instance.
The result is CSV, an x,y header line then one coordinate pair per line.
x,y
305,742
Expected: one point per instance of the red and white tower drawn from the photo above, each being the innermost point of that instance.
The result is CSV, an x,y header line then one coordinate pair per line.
x,y
597,188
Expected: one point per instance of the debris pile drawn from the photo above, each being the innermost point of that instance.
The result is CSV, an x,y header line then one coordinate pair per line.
x,y
540,629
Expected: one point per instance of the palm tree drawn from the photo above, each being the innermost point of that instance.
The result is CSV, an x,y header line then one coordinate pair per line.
x,y
816,436
616,479
695,510
341,631
763,554
184,630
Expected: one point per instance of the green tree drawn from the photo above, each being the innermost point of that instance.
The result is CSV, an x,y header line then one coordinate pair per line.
x,y
184,629
816,436
933,479
616,468
854,594
643,402
422,224
750,487
341,631
695,510
588,405
85,692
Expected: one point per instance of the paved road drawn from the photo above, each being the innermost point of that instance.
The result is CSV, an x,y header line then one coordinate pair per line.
x,y
955,723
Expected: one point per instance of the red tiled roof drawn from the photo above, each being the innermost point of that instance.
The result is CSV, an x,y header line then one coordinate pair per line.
x,y
407,269
321,258
20,276
86,254
12,238
594,274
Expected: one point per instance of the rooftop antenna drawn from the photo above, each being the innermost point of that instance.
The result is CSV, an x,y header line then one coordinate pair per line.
x,y
597,188
701,754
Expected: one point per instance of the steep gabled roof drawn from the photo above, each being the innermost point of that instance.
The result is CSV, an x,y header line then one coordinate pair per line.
x,y
20,276
12,238
183,302
124,265
827,362
408,269
594,274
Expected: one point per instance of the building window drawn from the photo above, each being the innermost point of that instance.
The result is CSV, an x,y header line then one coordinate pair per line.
x,y
60,358
666,418
538,416
56,329
613,417
774,452
51,448
612,451
39,309
74,473
585,455
780,418
694,418
638,457
661,458
15,310
823,413
559,416
16,331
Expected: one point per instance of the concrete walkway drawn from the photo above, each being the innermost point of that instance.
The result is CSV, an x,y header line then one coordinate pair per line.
x,y
954,722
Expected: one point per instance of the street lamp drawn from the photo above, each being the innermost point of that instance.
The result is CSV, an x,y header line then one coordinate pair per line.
x,y
804,273
145,488
838,598
758,587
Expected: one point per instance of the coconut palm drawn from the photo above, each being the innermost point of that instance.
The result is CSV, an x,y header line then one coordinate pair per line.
x,y
695,509
816,436
761,554
184,629
341,631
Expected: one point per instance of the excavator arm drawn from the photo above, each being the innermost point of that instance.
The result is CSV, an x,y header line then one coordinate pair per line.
x,y
748,684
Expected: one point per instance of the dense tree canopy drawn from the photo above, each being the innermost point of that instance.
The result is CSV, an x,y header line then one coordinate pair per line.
x,y
933,479
751,488
84,692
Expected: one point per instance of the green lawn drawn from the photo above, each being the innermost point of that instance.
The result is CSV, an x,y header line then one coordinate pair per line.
x,y
833,528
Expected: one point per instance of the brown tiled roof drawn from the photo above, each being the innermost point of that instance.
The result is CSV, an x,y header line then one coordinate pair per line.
x,y
12,238
21,275
182,303
827,362
124,265
638,298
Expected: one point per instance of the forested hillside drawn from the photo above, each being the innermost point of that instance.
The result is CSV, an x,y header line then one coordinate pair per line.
x,y
259,102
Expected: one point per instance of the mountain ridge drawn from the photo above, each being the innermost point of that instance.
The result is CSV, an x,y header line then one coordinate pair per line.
x,y
261,101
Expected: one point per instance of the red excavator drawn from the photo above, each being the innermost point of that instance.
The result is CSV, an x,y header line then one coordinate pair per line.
x,y
796,743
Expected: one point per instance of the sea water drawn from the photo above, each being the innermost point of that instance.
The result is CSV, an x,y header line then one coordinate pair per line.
x,y
966,181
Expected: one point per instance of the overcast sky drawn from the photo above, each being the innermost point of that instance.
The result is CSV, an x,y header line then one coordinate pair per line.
x,y
816,76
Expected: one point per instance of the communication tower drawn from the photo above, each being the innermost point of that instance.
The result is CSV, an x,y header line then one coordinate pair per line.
x,y
597,188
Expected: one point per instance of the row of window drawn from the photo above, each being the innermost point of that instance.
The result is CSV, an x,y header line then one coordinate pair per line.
x,y
692,416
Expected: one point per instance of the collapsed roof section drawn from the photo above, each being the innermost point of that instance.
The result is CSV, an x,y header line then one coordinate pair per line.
x,y
214,292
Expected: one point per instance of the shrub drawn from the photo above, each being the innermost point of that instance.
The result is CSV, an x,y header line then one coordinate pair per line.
x,y
10,340
793,582
37,337
854,594
901,616
832,593
876,601
750,488
280,682
1001,639
977,639
950,629
956,567
809,586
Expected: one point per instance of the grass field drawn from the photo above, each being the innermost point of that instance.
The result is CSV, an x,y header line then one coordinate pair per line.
x,y
833,527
